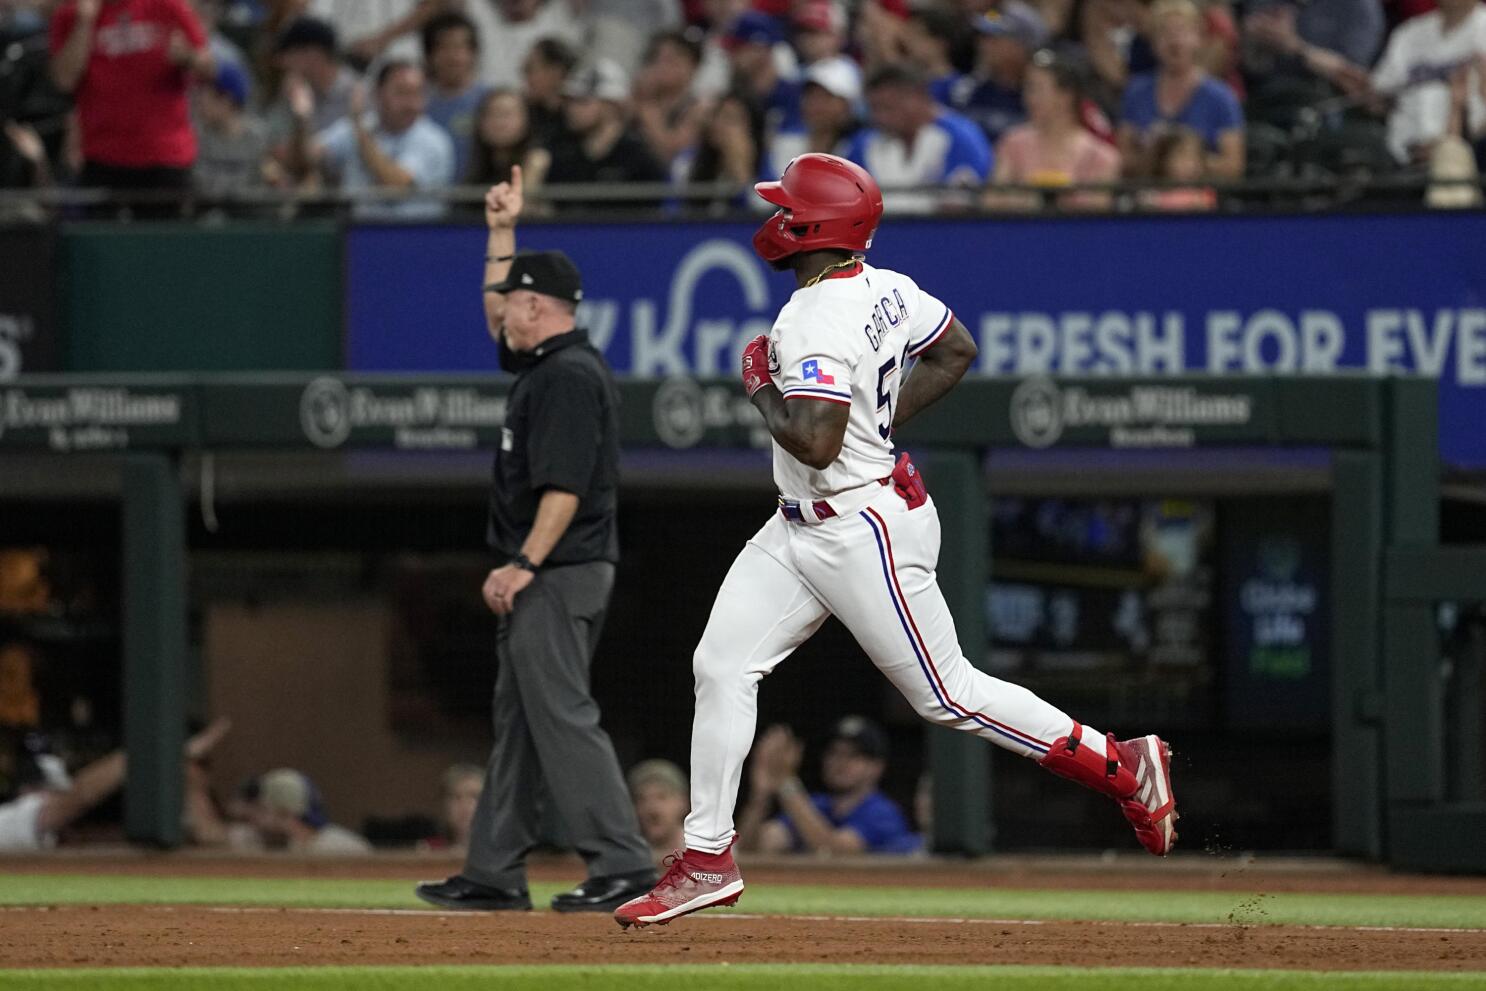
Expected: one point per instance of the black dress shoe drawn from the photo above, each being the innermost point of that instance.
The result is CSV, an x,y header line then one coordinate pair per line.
x,y
462,894
605,893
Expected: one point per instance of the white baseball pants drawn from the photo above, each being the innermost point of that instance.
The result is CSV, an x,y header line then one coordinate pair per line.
x,y
874,570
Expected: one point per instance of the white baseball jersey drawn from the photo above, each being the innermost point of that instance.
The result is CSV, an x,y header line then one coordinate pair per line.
x,y
870,564
847,340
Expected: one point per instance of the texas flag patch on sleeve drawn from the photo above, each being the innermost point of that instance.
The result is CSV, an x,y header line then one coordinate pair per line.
x,y
811,371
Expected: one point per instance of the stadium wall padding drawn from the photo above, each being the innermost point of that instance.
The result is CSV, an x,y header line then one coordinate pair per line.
x,y
182,297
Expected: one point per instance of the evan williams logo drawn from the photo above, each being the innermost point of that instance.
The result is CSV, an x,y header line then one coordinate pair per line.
x,y
683,411
1142,416
427,417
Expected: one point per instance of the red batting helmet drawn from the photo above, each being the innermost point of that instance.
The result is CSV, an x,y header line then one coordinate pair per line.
x,y
825,202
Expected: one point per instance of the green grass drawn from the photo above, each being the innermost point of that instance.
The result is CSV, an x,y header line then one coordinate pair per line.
x,y
1447,911
758,977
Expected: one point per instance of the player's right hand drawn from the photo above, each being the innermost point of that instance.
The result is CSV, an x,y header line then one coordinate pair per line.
x,y
756,365
908,482
504,201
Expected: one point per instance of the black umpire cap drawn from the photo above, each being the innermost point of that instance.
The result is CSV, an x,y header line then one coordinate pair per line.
x,y
550,273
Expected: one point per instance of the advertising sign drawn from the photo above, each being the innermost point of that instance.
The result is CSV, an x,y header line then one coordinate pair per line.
x,y
1276,612
1135,296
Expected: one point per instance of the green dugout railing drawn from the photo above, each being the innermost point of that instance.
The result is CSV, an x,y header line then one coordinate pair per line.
x,y
1387,712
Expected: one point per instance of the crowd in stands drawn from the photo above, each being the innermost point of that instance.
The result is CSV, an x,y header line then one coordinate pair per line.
x,y
999,100
282,810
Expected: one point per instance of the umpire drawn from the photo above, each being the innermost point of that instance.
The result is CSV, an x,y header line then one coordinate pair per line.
x,y
552,509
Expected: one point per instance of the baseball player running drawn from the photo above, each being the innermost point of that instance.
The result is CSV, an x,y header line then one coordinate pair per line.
x,y
856,536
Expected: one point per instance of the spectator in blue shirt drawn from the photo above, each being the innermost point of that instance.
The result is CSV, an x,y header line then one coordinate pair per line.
x,y
915,142
991,94
396,149
1180,93
451,52
850,816
829,104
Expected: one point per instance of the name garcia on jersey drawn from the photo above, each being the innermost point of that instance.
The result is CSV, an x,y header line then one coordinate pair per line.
x,y
886,313
829,344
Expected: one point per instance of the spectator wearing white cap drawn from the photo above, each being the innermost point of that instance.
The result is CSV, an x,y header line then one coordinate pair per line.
x,y
598,145
830,114
291,816
991,93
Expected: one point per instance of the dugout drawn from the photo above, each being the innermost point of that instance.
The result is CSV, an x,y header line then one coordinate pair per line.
x,y
208,470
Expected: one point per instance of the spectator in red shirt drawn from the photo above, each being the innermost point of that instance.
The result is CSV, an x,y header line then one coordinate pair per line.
x,y
128,64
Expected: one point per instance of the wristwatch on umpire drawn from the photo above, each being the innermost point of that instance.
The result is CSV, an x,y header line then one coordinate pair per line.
x,y
524,563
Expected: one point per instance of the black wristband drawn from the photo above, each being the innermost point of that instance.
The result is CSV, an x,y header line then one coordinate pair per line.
x,y
524,563
500,258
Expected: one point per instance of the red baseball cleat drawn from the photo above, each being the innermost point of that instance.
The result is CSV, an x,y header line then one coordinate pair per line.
x,y
1152,809
1136,773
693,881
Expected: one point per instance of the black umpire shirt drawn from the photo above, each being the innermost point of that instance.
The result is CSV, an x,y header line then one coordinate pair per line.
x,y
561,432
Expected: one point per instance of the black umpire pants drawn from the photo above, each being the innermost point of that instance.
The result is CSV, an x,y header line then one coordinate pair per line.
x,y
548,741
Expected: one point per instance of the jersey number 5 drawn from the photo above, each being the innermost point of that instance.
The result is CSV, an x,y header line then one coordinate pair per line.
x,y
885,398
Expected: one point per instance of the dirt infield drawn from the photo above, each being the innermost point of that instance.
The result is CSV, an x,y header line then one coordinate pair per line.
x,y
178,936
111,935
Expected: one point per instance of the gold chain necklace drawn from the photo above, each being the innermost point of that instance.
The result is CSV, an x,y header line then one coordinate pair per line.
x,y
834,267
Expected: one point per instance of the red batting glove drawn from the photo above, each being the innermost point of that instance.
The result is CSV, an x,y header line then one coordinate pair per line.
x,y
756,365
908,483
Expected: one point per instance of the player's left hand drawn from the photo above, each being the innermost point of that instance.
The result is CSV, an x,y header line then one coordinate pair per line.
x,y
503,585
756,365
